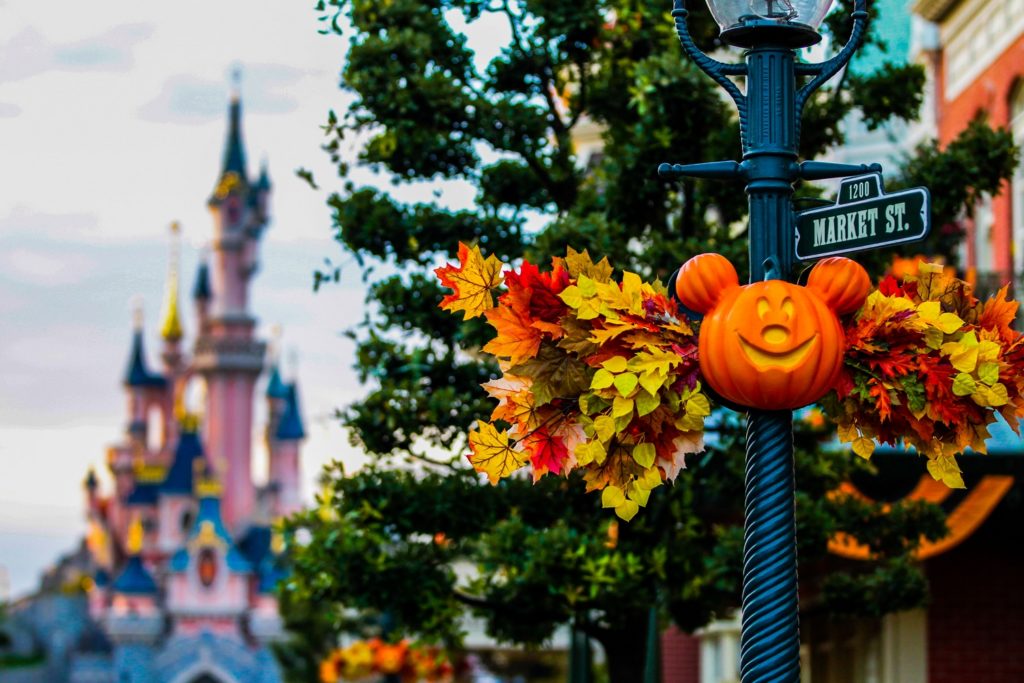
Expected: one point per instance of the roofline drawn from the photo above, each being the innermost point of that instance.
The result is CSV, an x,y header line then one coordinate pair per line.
x,y
934,10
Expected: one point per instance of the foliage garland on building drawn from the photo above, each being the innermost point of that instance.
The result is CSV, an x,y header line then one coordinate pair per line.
x,y
604,376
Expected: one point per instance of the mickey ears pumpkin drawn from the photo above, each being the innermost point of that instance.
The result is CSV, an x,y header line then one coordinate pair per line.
x,y
841,282
703,279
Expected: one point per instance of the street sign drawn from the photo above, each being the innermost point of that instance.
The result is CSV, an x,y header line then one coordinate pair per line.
x,y
863,218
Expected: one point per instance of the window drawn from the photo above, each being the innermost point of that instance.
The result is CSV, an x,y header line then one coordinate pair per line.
x,y
1017,210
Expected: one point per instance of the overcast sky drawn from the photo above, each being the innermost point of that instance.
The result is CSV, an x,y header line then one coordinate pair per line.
x,y
112,122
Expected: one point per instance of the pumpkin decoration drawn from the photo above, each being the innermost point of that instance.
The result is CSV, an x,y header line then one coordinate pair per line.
x,y
771,345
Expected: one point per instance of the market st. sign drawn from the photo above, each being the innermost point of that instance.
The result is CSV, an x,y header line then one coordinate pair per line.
x,y
863,218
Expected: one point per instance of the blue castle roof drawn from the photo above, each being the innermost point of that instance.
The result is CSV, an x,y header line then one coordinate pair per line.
x,y
271,573
255,545
138,375
201,289
234,150
180,477
135,580
209,517
290,427
276,388
144,493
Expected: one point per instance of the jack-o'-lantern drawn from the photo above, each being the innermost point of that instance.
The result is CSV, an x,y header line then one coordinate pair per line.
x,y
771,345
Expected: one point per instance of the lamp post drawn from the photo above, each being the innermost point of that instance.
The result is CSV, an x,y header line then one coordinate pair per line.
x,y
771,31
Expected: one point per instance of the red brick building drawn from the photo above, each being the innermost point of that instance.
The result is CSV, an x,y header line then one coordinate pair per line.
x,y
979,69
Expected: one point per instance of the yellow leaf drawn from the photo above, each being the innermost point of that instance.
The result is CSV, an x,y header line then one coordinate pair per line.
x,y
963,384
622,407
962,354
988,351
933,338
945,469
580,264
639,495
652,382
698,405
644,454
571,296
591,451
863,447
627,510
690,423
988,372
604,427
610,331
493,453
646,403
615,364
650,479
602,379
473,280
993,396
625,383
847,433
612,496
931,312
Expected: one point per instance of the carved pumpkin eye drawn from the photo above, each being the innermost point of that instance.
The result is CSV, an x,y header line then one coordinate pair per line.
x,y
763,307
788,308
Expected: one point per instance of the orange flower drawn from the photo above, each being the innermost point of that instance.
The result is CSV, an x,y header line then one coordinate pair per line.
x,y
390,659
329,668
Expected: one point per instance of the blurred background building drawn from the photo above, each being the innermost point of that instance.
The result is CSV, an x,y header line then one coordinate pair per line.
x,y
174,581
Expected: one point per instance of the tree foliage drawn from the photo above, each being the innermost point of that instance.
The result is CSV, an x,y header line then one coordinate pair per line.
x,y
427,108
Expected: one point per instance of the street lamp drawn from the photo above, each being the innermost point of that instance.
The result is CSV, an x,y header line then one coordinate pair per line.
x,y
769,113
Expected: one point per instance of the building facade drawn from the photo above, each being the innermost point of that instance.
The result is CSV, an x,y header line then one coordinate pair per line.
x,y
183,550
979,72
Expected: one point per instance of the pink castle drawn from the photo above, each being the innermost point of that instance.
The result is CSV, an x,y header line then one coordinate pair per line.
x,y
184,547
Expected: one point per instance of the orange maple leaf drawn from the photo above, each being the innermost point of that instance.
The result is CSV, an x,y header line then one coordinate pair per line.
x,y
998,313
473,280
517,338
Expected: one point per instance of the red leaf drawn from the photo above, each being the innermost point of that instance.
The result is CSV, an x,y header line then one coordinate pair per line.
x,y
547,452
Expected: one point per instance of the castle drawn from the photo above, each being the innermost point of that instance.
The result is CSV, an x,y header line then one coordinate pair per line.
x,y
184,550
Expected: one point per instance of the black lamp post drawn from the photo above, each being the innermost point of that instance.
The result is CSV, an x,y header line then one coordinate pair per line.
x,y
771,31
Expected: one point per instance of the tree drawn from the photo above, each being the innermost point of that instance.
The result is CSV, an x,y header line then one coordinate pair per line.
x,y
387,537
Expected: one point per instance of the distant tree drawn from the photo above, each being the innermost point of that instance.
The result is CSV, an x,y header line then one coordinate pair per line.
x,y
388,538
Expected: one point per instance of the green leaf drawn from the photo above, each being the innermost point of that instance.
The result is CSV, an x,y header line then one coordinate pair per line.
x,y
963,384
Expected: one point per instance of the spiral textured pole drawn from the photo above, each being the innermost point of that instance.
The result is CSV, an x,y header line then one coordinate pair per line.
x,y
770,640
769,112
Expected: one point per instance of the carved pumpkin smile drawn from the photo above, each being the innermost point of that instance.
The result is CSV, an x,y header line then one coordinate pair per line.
x,y
786,359
788,335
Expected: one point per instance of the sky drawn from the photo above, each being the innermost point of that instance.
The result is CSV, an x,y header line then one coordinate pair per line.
x,y
112,123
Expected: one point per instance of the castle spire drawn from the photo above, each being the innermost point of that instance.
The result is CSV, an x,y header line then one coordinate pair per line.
x,y
170,327
234,149
138,374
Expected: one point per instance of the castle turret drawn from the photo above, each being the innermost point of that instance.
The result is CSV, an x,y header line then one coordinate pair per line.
x,y
284,454
227,354
133,610
147,391
175,507
201,293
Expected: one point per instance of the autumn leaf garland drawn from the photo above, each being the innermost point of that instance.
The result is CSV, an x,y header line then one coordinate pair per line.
x,y
930,366
597,375
603,376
